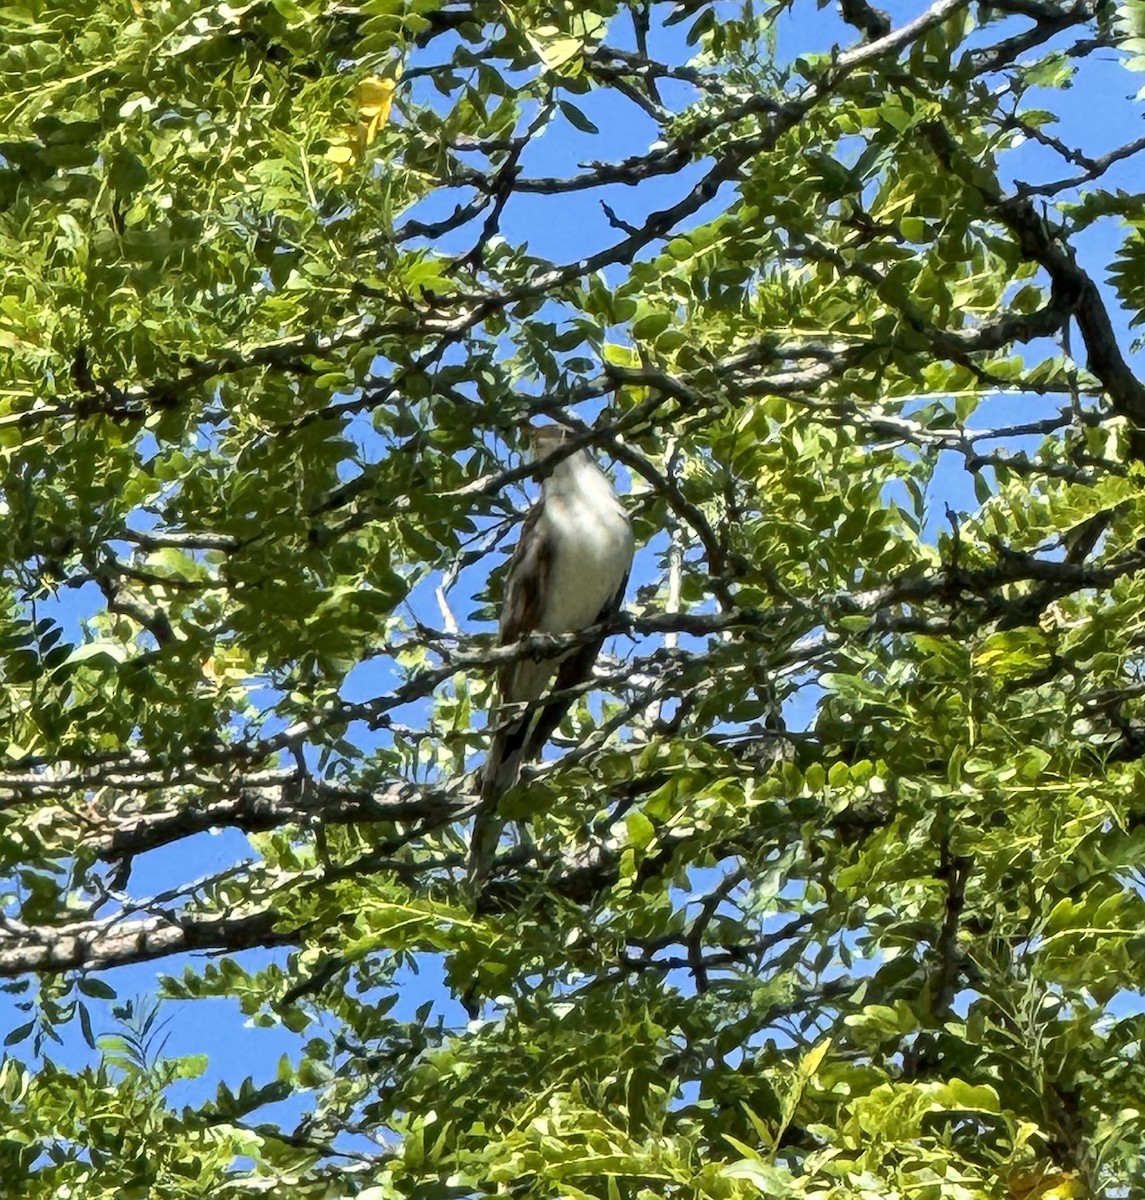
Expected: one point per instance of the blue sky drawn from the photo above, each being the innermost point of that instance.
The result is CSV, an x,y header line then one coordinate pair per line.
x,y
1098,114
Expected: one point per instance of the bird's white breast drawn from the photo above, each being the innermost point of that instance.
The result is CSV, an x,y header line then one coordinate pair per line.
x,y
592,546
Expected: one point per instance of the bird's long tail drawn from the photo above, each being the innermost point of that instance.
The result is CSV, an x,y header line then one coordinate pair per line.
x,y
500,772
520,741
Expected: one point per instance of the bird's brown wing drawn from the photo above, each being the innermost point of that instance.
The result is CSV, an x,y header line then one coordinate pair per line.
x,y
572,670
517,684
522,681
526,585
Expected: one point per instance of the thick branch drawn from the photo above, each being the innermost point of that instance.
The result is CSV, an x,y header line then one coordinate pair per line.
x,y
115,941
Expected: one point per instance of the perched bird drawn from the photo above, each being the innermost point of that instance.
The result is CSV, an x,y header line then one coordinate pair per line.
x,y
568,572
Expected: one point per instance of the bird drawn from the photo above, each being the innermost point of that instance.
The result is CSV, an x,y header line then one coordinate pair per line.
x,y
568,572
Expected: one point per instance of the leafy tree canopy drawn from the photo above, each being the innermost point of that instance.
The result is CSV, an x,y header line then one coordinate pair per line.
x,y
833,887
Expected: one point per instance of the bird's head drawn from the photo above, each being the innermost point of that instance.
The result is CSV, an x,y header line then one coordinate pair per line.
x,y
542,440
544,443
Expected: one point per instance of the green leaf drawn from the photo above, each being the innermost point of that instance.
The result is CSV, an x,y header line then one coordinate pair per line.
x,y
96,988
641,831
651,325
576,118
19,1034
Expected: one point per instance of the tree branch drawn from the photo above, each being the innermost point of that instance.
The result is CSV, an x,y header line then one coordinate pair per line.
x,y
116,942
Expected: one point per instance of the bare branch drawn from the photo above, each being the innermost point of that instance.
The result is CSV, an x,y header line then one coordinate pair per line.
x,y
115,942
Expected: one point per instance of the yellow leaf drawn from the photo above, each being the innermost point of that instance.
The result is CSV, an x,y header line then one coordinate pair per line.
x,y
375,99
813,1059
555,52
340,154
1046,1185
375,92
620,356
